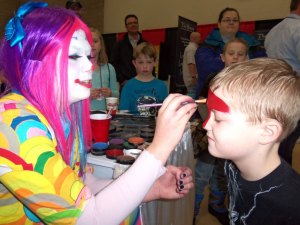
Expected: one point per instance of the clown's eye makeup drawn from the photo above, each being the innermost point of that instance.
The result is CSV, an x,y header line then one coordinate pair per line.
x,y
74,57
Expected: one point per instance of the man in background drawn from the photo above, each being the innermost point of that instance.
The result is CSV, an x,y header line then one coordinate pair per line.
x,y
75,6
122,54
189,69
283,42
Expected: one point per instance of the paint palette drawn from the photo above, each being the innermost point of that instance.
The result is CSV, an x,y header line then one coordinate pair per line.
x,y
136,140
113,153
99,148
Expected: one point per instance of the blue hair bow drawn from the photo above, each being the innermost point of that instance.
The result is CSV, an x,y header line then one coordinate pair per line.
x,y
14,31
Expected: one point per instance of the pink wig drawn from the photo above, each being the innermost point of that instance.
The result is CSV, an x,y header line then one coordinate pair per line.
x,y
39,71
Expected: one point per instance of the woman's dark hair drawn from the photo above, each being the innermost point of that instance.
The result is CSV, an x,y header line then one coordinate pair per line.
x,y
294,4
221,15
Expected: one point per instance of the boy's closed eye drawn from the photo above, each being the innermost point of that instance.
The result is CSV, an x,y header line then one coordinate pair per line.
x,y
217,120
218,116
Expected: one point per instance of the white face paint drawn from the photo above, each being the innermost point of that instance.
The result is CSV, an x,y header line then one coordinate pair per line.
x,y
79,68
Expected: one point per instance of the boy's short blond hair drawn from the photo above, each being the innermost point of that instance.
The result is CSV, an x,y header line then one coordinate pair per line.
x,y
263,88
145,48
236,40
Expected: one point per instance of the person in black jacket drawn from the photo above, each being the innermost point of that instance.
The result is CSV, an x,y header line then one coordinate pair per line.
x,y
122,54
75,6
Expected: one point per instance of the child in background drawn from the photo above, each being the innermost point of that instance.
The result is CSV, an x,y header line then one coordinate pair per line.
x,y
210,169
104,82
252,107
144,88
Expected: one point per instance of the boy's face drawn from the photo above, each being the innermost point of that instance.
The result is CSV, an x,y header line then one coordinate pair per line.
x,y
79,67
144,64
230,135
235,52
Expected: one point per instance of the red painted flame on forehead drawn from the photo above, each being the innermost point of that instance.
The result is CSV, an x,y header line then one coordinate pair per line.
x,y
215,103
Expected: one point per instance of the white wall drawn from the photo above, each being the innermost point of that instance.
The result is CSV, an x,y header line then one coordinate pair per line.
x,y
164,13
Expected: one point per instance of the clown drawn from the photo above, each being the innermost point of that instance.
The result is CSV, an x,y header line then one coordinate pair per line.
x,y
45,130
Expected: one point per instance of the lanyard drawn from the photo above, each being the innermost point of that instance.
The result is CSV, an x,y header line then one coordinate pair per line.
x,y
101,84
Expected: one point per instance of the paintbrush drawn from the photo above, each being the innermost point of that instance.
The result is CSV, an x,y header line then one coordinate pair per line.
x,y
198,101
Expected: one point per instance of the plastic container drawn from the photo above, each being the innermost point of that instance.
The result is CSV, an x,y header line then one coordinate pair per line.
x,y
123,163
128,145
116,141
132,152
113,153
136,140
99,148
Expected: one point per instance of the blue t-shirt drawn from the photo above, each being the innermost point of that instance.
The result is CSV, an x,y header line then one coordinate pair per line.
x,y
136,92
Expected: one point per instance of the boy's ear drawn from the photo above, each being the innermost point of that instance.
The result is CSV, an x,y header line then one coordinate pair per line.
x,y
133,62
222,57
271,131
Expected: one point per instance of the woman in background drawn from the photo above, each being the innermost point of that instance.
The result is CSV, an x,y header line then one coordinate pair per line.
x,y
104,82
207,57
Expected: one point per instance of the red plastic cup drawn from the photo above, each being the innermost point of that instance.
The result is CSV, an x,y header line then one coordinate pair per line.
x,y
100,127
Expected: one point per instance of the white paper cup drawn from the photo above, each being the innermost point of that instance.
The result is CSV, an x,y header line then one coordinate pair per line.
x,y
112,105
132,152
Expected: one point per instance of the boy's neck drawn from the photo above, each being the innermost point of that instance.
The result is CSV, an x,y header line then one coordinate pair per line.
x,y
258,166
144,77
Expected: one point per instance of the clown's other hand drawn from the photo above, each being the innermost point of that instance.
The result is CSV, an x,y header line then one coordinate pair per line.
x,y
175,183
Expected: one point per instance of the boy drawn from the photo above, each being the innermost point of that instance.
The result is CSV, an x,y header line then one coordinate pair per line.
x,y
144,88
252,107
209,168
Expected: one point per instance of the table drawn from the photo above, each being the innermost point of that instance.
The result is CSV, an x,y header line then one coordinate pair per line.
x,y
178,212
160,212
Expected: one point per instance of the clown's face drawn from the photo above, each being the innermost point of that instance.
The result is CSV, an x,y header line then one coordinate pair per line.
x,y
79,68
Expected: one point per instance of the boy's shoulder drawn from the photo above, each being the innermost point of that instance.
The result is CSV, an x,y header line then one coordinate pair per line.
x,y
153,81
162,85
159,81
131,81
292,177
283,175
